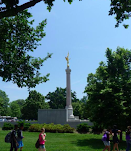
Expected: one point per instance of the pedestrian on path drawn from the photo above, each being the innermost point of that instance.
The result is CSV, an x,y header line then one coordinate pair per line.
x,y
42,140
115,132
20,137
14,142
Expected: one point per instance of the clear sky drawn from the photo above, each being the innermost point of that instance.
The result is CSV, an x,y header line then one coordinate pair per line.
x,y
83,29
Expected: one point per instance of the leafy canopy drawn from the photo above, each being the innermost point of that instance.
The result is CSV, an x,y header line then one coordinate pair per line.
x,y
15,109
34,101
17,38
4,100
109,90
20,102
57,99
12,7
120,8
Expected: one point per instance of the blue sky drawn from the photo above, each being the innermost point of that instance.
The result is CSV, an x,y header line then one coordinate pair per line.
x,y
83,29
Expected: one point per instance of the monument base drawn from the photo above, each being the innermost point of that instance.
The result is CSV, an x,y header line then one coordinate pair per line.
x,y
60,116
69,113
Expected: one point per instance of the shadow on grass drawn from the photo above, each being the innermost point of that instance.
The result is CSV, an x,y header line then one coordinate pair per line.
x,y
97,143
122,145
92,143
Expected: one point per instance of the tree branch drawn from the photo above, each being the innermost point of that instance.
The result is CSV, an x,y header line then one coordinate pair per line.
x,y
14,11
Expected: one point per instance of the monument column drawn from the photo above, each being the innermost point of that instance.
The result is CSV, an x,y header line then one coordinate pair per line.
x,y
69,108
68,88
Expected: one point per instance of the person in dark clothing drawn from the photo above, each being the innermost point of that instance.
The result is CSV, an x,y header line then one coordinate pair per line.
x,y
115,132
107,141
14,139
20,137
128,138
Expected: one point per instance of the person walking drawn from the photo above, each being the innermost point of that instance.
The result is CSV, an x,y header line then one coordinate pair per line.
x,y
20,137
115,132
106,140
128,138
14,142
42,140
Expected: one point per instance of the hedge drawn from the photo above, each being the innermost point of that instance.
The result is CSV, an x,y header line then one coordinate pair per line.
x,y
58,128
83,128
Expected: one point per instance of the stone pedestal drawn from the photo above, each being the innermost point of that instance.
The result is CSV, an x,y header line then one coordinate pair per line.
x,y
69,114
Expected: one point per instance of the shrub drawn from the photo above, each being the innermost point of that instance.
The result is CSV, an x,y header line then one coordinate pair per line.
x,y
58,128
26,126
83,128
96,129
35,128
68,129
7,126
49,127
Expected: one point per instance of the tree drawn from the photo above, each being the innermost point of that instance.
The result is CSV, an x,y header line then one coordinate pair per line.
x,y
109,90
76,108
84,99
121,8
20,102
12,7
15,43
1,105
15,109
57,99
4,100
34,101
83,109
80,108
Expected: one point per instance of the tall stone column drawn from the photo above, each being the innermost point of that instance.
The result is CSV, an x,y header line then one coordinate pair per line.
x,y
68,88
68,95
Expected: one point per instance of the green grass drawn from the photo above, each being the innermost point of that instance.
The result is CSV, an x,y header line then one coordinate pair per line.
x,y
61,142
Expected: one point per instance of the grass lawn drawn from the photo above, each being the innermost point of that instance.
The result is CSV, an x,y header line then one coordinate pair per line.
x,y
61,142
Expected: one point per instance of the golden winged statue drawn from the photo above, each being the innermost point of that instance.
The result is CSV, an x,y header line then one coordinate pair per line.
x,y
67,59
